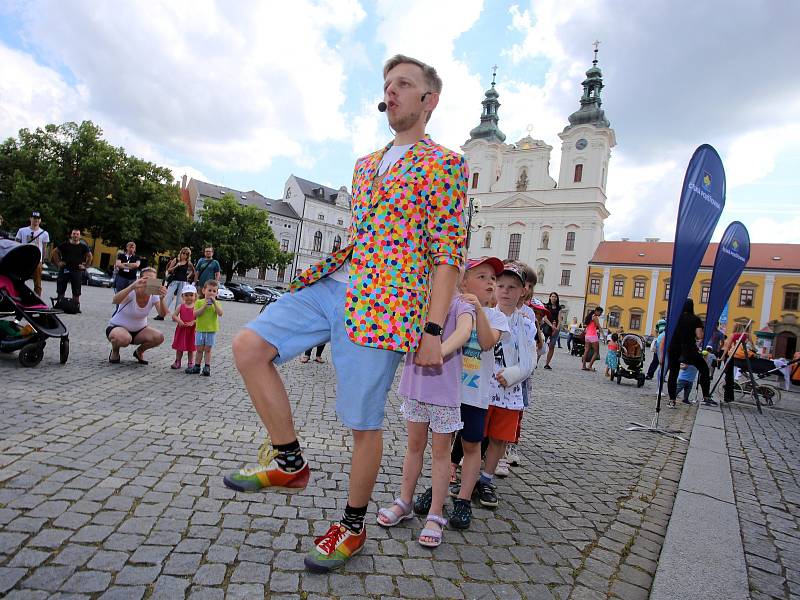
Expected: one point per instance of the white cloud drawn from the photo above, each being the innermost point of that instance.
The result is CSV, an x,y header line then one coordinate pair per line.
x,y
669,88
752,155
32,95
228,85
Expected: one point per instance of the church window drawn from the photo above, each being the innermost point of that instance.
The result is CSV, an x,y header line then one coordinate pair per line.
x,y
545,241
594,286
288,192
638,289
565,275
318,242
337,243
540,274
619,287
514,245
570,246
487,240
475,177
284,245
578,173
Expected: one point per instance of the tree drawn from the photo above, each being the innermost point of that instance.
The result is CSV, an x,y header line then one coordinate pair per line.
x,y
77,179
241,237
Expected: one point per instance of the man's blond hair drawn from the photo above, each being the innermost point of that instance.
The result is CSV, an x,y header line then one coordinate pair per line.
x,y
432,79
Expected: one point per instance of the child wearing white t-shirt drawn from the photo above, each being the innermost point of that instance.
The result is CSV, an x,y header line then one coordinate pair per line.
x,y
491,325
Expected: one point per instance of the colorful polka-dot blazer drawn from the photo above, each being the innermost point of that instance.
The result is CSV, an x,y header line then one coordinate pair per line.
x,y
403,224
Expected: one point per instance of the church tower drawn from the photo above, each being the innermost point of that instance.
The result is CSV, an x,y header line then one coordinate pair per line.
x,y
484,147
588,139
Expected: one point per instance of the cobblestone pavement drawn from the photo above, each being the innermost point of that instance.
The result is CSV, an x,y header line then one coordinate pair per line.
x,y
110,487
765,463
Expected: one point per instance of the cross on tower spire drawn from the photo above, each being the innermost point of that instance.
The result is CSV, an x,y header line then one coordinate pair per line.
x,y
494,74
596,45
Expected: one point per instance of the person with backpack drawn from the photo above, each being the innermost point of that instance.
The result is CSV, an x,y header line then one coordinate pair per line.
x,y
207,268
38,237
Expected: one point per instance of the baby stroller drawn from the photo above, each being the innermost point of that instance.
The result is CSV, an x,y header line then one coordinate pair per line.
x,y
631,359
18,303
578,342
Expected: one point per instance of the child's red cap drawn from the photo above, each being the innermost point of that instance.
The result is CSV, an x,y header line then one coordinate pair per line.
x,y
495,263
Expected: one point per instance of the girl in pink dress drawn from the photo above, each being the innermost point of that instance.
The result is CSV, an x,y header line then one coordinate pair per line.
x,y
184,332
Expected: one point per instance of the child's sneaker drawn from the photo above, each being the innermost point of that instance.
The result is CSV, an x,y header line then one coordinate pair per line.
x,y
260,477
486,494
461,516
512,456
334,549
193,370
207,371
502,468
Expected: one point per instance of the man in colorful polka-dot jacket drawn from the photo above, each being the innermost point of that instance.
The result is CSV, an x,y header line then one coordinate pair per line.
x,y
385,293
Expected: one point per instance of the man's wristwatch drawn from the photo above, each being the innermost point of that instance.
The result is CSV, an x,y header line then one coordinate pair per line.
x,y
433,328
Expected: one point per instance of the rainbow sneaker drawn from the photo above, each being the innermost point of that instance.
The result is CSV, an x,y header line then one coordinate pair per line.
x,y
334,548
267,474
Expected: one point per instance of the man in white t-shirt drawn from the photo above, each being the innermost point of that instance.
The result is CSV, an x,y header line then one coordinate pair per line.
x,y
38,237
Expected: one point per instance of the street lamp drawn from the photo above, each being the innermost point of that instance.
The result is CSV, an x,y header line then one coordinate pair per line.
x,y
473,208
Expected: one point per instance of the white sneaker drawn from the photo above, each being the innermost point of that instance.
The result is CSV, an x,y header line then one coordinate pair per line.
x,y
502,468
512,456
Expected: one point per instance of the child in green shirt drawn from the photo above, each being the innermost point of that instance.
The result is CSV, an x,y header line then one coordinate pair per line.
x,y
207,311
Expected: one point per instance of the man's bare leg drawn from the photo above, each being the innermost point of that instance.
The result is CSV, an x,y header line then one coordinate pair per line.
x,y
364,465
254,356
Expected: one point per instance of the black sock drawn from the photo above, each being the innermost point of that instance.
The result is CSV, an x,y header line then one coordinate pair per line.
x,y
289,458
354,518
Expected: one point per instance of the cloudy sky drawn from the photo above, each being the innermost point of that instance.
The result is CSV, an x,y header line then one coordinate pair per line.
x,y
244,94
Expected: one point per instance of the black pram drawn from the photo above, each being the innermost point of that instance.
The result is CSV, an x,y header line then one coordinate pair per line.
x,y
631,359
25,321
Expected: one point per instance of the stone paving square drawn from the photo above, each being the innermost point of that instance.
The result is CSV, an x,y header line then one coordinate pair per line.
x,y
110,486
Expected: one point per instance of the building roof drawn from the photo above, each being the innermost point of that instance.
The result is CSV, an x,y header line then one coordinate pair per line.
x,y
764,257
251,198
317,191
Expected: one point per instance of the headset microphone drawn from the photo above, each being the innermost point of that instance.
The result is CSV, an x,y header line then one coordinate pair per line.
x,y
382,106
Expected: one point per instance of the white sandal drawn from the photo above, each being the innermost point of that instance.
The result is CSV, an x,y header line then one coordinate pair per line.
x,y
392,518
435,534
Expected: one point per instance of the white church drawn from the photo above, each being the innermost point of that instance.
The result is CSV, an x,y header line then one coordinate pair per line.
x,y
519,211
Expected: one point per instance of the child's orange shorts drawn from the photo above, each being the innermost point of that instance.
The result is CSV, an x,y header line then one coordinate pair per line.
x,y
503,424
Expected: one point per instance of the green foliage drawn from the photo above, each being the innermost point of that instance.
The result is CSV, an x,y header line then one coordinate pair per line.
x,y
241,237
77,179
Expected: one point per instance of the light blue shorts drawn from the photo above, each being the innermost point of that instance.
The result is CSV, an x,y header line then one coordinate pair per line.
x,y
205,338
315,315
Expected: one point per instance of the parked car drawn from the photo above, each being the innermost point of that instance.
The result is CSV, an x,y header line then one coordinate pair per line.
x,y
49,271
95,277
224,293
271,294
244,293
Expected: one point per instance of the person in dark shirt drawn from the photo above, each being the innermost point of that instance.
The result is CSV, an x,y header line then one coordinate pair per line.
x,y
683,348
71,257
127,264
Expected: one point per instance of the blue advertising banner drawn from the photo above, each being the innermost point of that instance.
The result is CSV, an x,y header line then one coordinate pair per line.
x,y
732,256
702,201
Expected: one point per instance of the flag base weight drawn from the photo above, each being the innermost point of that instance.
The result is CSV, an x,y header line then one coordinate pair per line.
x,y
654,428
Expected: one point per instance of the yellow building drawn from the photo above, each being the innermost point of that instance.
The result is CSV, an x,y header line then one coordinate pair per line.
x,y
630,280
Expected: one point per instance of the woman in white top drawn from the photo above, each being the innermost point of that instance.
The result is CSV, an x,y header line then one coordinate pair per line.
x,y
573,331
128,324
